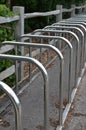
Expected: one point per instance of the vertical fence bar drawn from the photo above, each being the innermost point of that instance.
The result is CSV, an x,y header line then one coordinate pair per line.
x,y
18,31
73,10
16,70
30,65
59,16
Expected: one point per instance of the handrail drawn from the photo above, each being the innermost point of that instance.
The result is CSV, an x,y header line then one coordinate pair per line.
x,y
15,102
64,10
45,78
38,14
61,65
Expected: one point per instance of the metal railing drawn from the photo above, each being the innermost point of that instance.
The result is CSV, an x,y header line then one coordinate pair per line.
x,y
80,26
78,32
16,104
61,65
82,58
66,34
70,63
45,78
78,21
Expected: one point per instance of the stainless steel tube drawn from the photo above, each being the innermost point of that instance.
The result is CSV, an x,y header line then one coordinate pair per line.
x,y
61,66
15,102
45,77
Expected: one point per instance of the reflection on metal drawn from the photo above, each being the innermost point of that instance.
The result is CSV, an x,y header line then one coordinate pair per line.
x,y
45,77
15,102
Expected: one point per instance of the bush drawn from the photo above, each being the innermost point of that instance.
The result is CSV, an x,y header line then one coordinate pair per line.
x,y
6,33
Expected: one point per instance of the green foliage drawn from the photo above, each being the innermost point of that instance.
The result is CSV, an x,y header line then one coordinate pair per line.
x,y
5,11
2,1
6,33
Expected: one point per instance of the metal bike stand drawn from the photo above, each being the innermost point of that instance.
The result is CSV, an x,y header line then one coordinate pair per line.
x,y
77,45
84,31
16,104
75,23
61,65
45,78
70,64
75,30
83,22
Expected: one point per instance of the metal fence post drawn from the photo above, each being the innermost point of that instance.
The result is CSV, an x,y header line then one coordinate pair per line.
x,y
19,30
59,16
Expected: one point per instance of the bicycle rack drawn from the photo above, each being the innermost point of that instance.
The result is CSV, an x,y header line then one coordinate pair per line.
x,y
70,64
70,26
15,102
82,28
61,65
76,31
56,33
45,78
77,24
69,33
76,21
70,77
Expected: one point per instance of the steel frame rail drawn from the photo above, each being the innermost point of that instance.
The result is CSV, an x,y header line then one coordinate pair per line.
x,y
16,104
80,26
74,29
77,44
61,65
61,118
45,78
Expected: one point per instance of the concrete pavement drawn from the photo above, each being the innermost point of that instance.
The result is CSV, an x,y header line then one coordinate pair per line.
x,y
77,116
